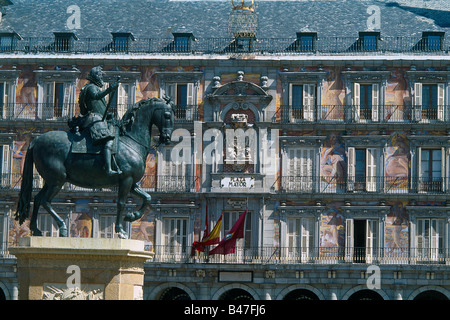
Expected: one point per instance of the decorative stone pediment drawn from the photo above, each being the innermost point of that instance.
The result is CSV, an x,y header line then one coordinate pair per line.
x,y
238,95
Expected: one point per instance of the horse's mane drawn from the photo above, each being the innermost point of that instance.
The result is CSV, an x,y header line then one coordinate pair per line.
x,y
130,115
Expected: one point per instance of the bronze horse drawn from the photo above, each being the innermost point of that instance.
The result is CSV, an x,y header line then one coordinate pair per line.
x,y
51,154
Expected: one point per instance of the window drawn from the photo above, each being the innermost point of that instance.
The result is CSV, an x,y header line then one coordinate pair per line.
x,y
173,175
361,240
362,169
300,238
175,237
365,101
56,93
5,165
299,170
429,101
184,95
121,41
301,101
306,41
3,243
8,41
368,41
431,170
429,239
6,99
432,41
64,41
107,226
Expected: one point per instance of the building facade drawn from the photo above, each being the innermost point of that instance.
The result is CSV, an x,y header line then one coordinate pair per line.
x,y
332,134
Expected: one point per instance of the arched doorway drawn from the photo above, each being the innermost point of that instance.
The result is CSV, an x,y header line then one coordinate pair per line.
x,y
236,294
366,295
174,293
301,294
431,295
2,295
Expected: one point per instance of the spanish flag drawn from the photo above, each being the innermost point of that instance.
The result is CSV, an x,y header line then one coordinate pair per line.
x,y
208,238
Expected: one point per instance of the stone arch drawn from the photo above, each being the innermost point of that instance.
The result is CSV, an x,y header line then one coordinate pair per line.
x,y
293,288
416,293
229,287
363,288
4,292
158,291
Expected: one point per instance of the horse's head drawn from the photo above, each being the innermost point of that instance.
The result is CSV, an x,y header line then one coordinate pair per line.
x,y
164,120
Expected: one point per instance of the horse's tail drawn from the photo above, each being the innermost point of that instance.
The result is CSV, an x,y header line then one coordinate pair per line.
x,y
23,207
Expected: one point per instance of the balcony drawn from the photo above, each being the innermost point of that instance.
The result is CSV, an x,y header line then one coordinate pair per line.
x,y
51,112
363,185
150,183
261,46
360,114
305,255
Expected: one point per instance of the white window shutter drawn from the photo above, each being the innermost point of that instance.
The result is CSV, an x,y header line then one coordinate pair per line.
x,y
190,95
443,158
351,168
349,240
6,165
419,169
67,87
308,102
371,169
375,101
418,101
356,102
441,101
172,91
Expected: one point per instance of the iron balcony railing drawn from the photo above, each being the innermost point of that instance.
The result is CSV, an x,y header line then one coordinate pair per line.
x,y
260,46
304,255
362,114
64,111
289,184
364,184
153,183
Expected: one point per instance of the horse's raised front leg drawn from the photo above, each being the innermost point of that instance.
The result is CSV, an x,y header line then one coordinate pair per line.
x,y
124,189
133,216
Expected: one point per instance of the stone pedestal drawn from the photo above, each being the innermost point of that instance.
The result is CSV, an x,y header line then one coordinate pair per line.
x,y
80,268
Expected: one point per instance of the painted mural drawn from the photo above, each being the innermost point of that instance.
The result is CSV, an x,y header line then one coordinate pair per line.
x,y
397,164
144,229
332,231
333,166
397,231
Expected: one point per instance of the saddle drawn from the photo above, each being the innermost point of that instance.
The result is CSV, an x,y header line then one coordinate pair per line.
x,y
82,142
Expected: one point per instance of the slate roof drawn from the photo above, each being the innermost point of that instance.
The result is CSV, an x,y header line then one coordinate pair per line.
x,y
209,18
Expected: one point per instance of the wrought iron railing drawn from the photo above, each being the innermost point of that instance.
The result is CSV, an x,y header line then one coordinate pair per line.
x,y
260,46
154,183
362,114
364,184
304,255
62,112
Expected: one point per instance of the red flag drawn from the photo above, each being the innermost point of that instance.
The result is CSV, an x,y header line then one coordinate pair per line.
x,y
228,243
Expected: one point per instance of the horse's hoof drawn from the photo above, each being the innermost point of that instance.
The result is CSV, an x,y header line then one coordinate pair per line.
x,y
122,235
36,233
63,232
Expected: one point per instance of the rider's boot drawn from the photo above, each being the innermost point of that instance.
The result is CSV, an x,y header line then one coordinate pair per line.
x,y
107,152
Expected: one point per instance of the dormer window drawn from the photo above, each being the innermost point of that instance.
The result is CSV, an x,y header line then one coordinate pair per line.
x,y
432,41
368,40
183,41
8,41
306,41
64,41
121,41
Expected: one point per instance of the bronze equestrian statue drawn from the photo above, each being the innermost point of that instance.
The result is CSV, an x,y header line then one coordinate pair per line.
x,y
53,155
